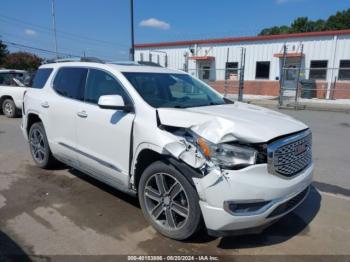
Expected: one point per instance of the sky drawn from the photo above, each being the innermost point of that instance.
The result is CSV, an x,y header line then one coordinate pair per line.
x,y
101,28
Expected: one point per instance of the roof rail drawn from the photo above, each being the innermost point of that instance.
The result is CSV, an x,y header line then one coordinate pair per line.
x,y
148,63
92,59
131,63
76,59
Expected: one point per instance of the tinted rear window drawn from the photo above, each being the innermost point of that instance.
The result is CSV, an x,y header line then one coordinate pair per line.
x,y
41,77
8,78
70,82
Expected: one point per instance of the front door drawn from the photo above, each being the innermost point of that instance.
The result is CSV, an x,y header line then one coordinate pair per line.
x,y
204,71
290,71
104,134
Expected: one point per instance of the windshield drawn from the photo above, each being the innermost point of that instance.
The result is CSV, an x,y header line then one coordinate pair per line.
x,y
173,90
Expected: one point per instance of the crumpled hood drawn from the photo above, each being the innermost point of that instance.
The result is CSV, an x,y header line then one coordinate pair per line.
x,y
238,121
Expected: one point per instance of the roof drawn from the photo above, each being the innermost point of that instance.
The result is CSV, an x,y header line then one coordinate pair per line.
x,y
113,66
244,39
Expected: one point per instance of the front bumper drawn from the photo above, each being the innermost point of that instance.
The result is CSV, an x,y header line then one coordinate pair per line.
x,y
250,185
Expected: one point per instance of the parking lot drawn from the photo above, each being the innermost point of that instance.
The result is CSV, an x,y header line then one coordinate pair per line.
x,y
64,212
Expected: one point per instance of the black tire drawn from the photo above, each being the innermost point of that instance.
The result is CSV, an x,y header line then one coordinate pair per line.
x,y
9,108
183,227
46,160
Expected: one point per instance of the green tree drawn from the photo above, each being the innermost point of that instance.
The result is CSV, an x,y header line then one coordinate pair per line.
x,y
22,60
300,25
3,52
339,21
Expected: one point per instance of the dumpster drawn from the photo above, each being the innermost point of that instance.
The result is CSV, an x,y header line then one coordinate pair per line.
x,y
308,88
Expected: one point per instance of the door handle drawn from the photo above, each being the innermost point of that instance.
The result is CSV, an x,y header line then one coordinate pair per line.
x,y
45,104
82,114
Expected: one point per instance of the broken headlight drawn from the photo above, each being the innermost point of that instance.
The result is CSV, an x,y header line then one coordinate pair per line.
x,y
230,156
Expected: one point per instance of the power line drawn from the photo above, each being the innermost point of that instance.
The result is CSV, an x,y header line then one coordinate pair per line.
x,y
36,48
15,20
93,52
48,51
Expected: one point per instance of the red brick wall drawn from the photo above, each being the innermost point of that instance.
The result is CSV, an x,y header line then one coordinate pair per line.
x,y
342,90
271,88
255,87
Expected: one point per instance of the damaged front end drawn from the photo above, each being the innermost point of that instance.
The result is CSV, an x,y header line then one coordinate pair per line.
x,y
235,188
213,161
194,148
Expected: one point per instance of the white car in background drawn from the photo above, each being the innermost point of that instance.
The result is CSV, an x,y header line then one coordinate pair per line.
x,y
190,155
12,88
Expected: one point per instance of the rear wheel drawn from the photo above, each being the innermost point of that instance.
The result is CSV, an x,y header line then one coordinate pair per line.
x,y
9,108
39,146
168,201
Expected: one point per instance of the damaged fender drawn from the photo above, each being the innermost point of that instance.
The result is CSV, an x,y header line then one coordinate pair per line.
x,y
186,152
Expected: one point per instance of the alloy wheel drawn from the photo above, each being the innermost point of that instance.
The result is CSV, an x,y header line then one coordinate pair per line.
x,y
8,108
37,145
166,201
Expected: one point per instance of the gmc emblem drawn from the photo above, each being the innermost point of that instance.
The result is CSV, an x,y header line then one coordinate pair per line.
x,y
300,149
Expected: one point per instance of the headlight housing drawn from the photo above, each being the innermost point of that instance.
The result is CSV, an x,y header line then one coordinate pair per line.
x,y
230,156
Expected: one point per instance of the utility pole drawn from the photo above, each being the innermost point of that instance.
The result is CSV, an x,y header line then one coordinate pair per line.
x,y
241,75
132,50
54,26
282,75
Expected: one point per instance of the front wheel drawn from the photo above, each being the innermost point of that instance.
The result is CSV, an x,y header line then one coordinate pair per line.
x,y
169,202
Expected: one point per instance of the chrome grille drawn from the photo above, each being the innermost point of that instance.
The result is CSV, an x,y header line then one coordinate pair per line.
x,y
290,155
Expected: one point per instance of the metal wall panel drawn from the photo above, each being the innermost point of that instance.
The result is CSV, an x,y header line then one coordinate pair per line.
x,y
315,48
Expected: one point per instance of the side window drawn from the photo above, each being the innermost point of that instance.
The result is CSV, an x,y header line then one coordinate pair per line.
x,y
318,69
262,70
232,70
10,79
2,78
70,81
344,70
100,83
41,77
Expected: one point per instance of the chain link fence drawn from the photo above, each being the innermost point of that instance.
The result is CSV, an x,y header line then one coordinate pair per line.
x,y
228,81
302,86
295,88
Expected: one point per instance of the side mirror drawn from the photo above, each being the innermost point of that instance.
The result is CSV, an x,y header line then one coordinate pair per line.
x,y
115,102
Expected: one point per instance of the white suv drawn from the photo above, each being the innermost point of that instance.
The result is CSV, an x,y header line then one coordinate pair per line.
x,y
190,155
12,88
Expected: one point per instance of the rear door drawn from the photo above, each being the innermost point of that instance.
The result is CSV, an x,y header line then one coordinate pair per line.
x,y
104,134
62,108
